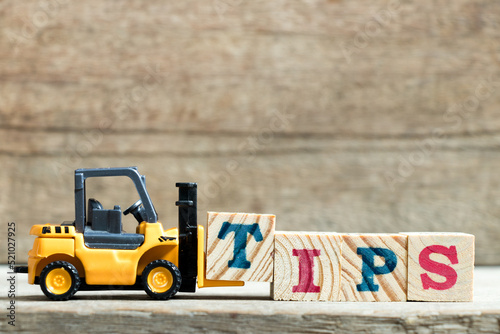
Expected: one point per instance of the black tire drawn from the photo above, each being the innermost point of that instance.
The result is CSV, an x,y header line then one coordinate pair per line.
x,y
161,279
59,280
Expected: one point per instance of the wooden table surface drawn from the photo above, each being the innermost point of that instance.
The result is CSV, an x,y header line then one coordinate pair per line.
x,y
248,310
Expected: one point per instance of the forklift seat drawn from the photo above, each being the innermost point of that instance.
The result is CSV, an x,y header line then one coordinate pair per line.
x,y
106,240
93,205
104,229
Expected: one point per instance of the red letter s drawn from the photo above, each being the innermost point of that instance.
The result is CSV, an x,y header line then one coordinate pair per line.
x,y
438,268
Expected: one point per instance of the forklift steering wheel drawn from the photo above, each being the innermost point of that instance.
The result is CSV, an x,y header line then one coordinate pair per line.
x,y
135,209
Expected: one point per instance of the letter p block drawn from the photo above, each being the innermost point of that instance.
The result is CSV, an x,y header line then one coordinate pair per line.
x,y
374,267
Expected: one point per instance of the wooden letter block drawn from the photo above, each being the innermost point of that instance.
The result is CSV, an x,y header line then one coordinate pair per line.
x,y
307,266
374,267
240,246
440,266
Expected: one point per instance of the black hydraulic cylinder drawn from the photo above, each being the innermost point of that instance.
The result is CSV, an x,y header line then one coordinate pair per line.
x,y
188,235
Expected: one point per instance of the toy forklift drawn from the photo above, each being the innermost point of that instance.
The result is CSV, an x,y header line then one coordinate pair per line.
x,y
93,253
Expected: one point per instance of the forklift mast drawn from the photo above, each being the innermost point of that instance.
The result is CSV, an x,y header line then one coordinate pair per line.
x,y
188,235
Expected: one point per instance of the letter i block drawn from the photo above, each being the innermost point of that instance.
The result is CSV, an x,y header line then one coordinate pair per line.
x,y
306,266
374,267
440,266
240,246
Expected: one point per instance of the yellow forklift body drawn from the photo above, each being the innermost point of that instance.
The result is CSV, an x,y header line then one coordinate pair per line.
x,y
122,266
45,247
102,266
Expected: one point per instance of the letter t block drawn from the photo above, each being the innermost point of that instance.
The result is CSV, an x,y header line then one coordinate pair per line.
x,y
306,266
240,246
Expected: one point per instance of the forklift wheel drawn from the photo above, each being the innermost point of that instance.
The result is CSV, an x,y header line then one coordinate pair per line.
x,y
161,279
59,280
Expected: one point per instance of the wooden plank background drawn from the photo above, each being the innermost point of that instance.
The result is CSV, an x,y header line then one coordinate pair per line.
x,y
348,116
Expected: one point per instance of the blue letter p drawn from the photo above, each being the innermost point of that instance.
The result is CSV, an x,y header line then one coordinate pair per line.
x,y
368,270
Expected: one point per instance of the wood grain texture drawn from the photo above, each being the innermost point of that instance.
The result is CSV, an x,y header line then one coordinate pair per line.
x,y
214,72
462,270
292,281
391,286
247,259
184,89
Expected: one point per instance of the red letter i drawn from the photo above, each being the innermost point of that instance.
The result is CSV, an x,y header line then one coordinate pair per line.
x,y
306,273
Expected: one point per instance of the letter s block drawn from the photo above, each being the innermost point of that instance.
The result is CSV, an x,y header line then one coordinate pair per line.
x,y
306,266
440,266
374,267
240,246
